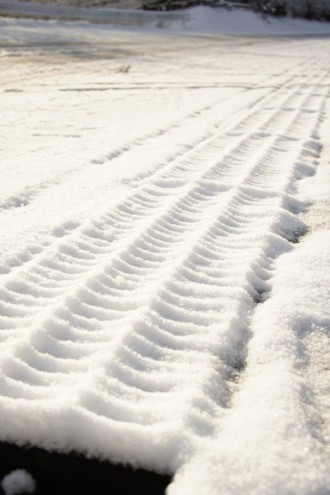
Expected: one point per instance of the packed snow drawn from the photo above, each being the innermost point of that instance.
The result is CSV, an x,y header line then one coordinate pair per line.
x,y
165,253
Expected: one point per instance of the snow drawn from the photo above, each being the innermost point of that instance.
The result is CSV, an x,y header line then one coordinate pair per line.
x,y
164,268
283,406
193,20
248,23
18,481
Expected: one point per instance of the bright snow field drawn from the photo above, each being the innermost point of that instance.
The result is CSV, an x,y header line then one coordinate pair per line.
x,y
164,215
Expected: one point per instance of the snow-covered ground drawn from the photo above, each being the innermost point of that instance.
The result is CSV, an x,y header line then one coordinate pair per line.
x,y
156,308
194,20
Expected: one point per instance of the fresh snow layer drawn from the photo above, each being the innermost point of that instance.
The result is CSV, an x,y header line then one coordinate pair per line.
x,y
156,308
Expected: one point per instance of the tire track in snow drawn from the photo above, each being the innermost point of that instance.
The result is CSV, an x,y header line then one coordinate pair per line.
x,y
161,289
175,174
166,314
138,150
182,168
277,393
212,111
27,195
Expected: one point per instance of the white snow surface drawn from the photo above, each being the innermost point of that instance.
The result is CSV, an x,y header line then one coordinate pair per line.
x,y
156,309
18,481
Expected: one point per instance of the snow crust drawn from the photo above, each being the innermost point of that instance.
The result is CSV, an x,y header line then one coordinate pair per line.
x,y
165,253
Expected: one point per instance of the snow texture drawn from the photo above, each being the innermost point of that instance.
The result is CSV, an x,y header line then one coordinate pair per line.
x,y
18,481
164,268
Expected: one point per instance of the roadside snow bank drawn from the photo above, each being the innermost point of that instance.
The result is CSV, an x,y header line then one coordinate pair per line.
x,y
276,437
195,20
241,22
315,189
273,440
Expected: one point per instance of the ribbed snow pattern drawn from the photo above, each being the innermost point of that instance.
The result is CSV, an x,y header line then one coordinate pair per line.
x,y
126,335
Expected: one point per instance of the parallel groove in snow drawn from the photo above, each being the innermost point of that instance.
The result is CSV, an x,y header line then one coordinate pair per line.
x,y
173,131
120,314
